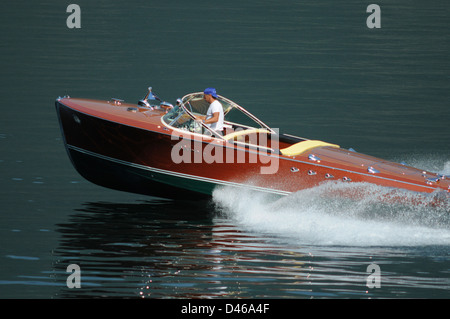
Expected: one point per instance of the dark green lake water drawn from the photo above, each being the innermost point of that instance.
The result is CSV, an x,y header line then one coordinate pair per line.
x,y
312,69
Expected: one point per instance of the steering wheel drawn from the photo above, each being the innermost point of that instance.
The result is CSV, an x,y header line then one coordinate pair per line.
x,y
195,127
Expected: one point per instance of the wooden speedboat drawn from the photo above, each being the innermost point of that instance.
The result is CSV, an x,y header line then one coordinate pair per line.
x,y
159,149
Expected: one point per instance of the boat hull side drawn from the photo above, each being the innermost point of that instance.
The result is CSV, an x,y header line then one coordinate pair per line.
x,y
128,177
103,160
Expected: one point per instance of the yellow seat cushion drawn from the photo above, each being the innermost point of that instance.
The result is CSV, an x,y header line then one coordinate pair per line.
x,y
245,132
304,146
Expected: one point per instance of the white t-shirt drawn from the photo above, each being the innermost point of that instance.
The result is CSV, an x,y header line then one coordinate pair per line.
x,y
215,107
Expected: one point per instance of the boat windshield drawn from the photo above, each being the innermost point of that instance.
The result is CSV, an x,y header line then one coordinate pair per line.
x,y
235,116
180,119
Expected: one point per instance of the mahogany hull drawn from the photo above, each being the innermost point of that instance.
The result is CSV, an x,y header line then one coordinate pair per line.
x,y
133,152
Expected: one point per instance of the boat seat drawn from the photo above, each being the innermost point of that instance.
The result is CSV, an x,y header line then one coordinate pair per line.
x,y
304,146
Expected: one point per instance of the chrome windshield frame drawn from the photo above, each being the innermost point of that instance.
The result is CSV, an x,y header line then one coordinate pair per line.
x,y
184,101
187,98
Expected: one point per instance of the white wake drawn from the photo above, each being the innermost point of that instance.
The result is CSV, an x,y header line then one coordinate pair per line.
x,y
320,216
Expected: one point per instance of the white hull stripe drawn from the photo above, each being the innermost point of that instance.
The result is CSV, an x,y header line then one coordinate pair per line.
x,y
176,174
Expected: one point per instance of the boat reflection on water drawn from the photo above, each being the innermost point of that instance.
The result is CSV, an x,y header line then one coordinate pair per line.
x,y
176,249
157,250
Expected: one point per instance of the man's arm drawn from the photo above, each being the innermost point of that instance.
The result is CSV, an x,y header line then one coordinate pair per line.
x,y
213,119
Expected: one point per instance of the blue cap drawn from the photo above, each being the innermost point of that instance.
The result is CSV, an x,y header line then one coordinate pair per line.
x,y
211,91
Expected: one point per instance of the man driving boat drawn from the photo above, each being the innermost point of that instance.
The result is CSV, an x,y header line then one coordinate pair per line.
x,y
214,116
